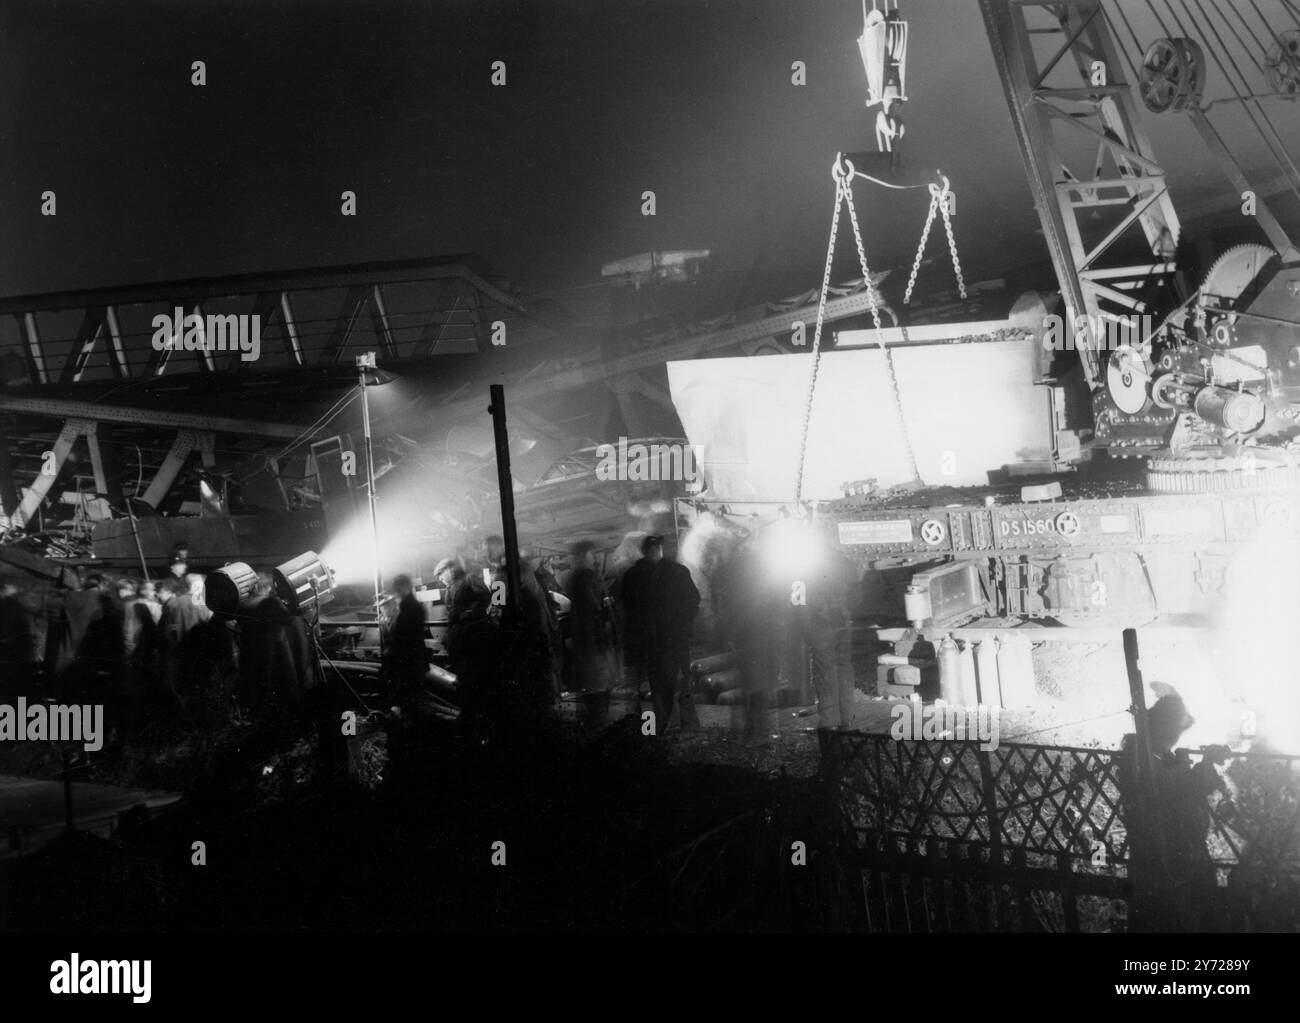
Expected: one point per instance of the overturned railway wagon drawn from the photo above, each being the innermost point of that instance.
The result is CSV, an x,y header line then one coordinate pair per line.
x,y
1105,560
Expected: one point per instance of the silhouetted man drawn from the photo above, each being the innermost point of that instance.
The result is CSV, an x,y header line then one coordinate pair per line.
x,y
470,639
673,602
17,645
1171,865
408,659
586,592
634,596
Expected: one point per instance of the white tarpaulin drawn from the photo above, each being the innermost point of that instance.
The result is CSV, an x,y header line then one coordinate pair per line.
x,y
969,408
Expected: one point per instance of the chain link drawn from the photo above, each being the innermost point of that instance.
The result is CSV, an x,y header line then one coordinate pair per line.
x,y
920,250
939,202
889,357
952,247
841,189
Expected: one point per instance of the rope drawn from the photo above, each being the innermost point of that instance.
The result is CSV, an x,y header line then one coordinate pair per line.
x,y
1277,150
1159,20
1137,45
885,184
1286,55
1121,47
1236,35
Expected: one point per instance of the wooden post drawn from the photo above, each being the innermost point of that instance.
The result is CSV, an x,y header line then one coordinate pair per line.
x,y
1139,801
505,486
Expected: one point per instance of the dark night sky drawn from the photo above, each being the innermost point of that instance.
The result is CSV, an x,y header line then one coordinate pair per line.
x,y
157,179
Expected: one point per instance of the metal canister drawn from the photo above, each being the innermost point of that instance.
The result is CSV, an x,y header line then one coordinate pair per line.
x,y
949,671
1016,671
970,695
986,666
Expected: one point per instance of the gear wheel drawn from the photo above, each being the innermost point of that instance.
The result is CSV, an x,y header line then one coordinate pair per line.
x,y
1233,272
1214,475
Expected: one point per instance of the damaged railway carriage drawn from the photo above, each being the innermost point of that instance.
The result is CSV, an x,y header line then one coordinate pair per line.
x,y
1123,456
999,543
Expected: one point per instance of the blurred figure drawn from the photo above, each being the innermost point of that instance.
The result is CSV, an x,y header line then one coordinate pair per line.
x,y
149,597
18,658
539,618
179,616
198,593
493,557
822,628
277,661
546,577
140,647
283,686
751,604
588,633
405,653
102,650
532,657
208,674
468,601
634,599
672,604
471,639
70,617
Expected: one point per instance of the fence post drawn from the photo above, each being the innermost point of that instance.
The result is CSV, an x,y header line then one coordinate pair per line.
x,y
1146,842
989,797
1069,902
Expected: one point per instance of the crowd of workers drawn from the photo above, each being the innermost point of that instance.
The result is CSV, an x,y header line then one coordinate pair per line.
x,y
636,626
157,657
153,651
639,623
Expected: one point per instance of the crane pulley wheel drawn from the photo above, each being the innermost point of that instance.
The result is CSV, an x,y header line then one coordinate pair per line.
x,y
1282,64
1172,75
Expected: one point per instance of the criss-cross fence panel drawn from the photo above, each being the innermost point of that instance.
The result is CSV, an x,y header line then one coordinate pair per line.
x,y
1254,842
1041,800
949,836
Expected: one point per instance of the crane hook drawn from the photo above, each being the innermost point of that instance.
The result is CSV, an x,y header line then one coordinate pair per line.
x,y
842,169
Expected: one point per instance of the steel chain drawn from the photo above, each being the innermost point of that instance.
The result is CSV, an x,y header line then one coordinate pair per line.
x,y
875,316
920,251
938,201
952,247
841,189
